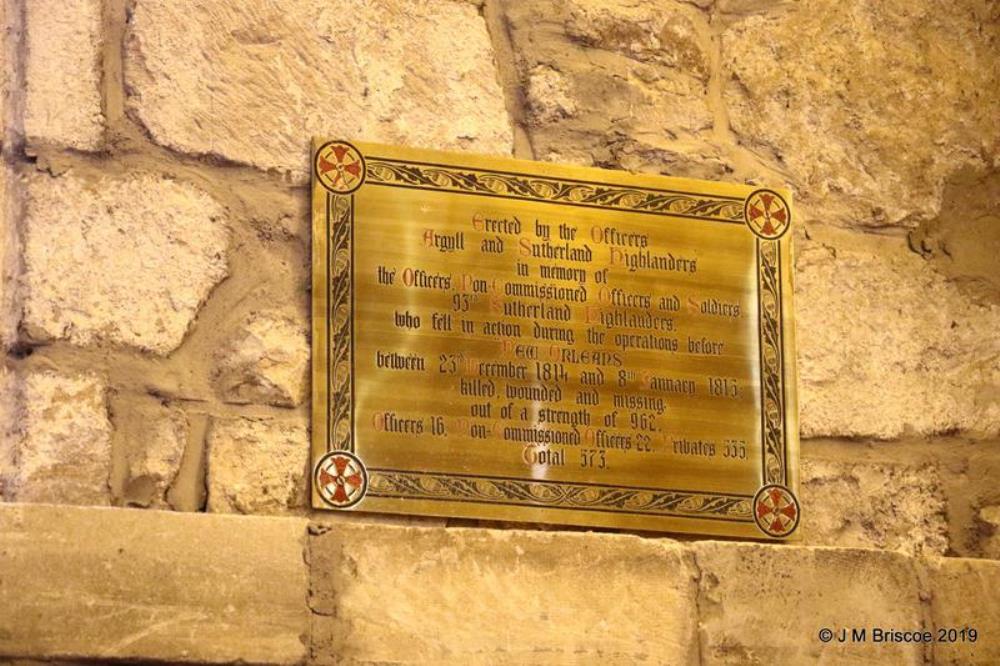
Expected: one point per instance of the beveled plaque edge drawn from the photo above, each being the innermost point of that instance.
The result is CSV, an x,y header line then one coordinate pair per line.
x,y
334,206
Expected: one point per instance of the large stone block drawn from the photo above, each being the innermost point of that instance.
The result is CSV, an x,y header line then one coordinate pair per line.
x,y
257,466
119,260
154,458
872,505
266,361
415,595
764,604
616,83
56,444
256,79
867,108
62,103
114,584
963,595
887,345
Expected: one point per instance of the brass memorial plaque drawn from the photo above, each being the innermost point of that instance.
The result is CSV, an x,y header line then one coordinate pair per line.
x,y
513,340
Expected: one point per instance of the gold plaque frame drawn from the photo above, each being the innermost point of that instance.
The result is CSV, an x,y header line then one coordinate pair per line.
x,y
341,480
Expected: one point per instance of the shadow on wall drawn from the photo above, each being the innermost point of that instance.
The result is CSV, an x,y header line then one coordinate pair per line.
x,y
964,241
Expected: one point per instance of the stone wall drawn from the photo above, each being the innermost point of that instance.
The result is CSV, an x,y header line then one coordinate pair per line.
x,y
154,265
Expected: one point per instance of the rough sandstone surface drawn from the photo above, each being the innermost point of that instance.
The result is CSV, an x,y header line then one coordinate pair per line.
x,y
989,517
265,362
964,241
115,584
10,417
274,588
257,466
254,80
615,83
56,443
963,593
62,73
153,463
887,345
6,77
763,604
903,507
385,594
10,257
866,108
135,259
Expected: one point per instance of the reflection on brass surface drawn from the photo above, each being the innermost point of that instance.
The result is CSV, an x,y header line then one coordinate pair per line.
x,y
513,340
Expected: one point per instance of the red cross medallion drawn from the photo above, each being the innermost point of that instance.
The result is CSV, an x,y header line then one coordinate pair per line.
x,y
340,167
767,214
776,511
341,479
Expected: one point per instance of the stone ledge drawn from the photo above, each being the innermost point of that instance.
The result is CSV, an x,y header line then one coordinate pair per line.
x,y
395,594
964,594
115,584
767,604
128,584
477,596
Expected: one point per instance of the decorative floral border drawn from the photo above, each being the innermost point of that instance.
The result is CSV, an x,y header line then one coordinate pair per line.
x,y
399,173
772,387
340,322
556,494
